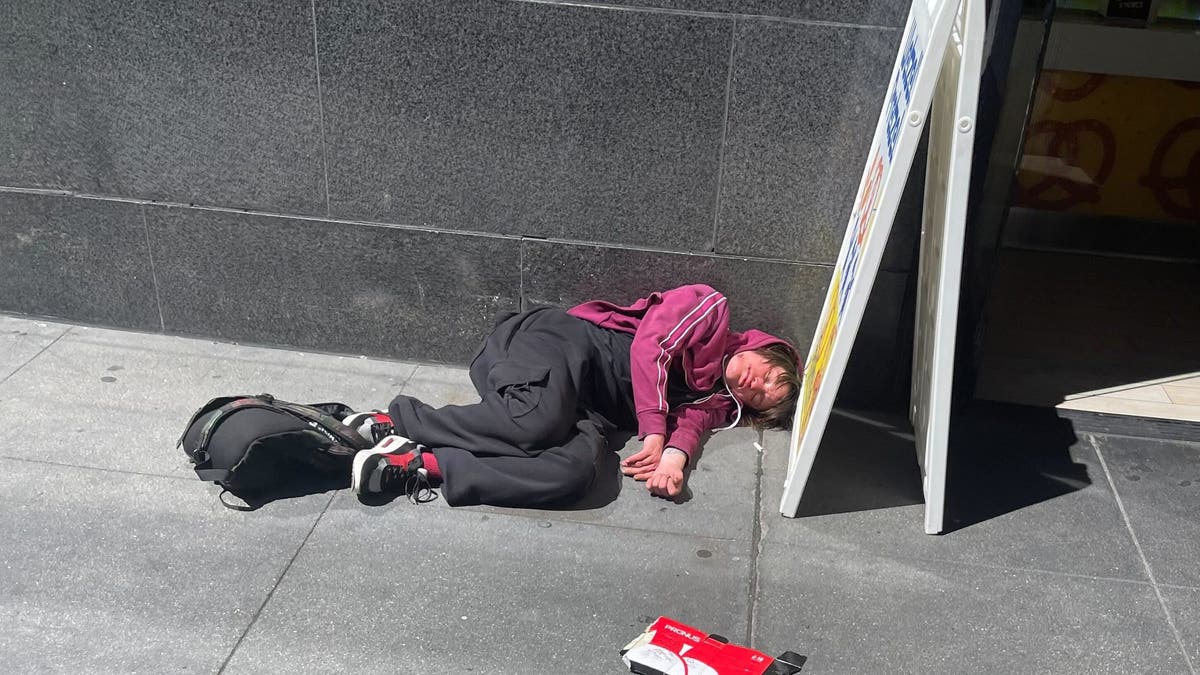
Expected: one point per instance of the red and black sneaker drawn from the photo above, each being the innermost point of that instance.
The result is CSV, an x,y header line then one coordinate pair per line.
x,y
373,425
393,467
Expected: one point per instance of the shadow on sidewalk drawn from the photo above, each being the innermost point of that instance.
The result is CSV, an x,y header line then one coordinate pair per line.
x,y
1002,458
866,461
1006,457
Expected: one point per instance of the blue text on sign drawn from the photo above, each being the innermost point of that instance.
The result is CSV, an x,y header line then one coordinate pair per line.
x,y
906,77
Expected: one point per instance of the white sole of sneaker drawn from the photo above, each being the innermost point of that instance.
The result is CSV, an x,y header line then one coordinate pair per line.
x,y
386,446
360,460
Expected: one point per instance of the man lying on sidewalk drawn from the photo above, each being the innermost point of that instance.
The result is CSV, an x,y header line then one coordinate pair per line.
x,y
552,383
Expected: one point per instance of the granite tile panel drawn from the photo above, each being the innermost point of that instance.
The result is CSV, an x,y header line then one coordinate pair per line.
x,y
211,103
802,110
80,259
781,298
337,287
1023,493
130,395
523,118
454,590
866,613
22,339
113,572
861,12
1159,484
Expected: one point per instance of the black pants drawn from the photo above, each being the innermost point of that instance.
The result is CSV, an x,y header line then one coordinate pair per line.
x,y
551,386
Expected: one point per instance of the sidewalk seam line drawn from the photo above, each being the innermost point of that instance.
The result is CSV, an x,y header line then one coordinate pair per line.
x,y
1026,570
1142,554
404,384
1181,587
534,515
513,515
756,544
95,468
40,352
153,273
271,593
228,341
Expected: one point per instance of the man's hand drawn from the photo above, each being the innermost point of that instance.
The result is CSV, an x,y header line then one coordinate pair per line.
x,y
663,473
641,465
667,479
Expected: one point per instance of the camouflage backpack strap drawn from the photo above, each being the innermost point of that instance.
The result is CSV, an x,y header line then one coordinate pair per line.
x,y
212,405
322,421
224,406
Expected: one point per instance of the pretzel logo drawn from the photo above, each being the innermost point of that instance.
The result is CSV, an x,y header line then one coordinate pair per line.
x,y
1066,141
1187,186
1051,84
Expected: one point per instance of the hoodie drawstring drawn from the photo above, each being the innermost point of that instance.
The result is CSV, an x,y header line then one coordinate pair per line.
x,y
738,416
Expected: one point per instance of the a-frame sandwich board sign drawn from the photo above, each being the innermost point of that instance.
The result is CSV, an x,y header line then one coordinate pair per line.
x,y
943,229
910,91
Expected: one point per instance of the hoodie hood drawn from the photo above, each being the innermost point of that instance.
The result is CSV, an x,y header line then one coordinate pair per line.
x,y
747,341
755,339
684,329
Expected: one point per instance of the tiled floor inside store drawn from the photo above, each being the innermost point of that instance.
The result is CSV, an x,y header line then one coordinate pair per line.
x,y
1173,398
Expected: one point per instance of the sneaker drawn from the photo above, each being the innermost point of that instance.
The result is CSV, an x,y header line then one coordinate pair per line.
x,y
373,425
393,466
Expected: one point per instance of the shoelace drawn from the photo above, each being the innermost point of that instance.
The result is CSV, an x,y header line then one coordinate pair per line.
x,y
380,430
418,489
415,483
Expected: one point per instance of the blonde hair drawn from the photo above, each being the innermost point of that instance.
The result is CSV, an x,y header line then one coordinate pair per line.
x,y
778,416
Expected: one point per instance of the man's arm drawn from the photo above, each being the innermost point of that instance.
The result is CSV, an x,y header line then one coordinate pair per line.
x,y
667,479
683,317
662,469
643,463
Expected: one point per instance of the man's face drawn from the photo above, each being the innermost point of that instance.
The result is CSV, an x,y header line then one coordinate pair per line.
x,y
754,381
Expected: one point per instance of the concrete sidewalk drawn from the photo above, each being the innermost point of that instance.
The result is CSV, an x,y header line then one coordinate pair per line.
x,y
1073,552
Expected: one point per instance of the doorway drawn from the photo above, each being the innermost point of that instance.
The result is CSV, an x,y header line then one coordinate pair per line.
x,y
1094,303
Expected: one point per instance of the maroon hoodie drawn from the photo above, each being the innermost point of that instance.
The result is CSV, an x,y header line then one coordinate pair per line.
x,y
688,326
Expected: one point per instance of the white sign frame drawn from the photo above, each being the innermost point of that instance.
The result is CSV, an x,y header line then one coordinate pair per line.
x,y
952,122
909,93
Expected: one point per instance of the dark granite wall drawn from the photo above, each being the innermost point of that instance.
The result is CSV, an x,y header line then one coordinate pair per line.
x,y
383,176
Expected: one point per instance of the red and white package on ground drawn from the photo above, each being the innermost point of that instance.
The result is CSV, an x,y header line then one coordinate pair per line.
x,y
672,648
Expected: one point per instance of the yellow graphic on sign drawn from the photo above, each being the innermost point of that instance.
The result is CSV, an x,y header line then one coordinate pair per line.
x,y
818,361
841,285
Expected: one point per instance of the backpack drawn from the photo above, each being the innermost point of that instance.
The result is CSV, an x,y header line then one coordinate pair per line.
x,y
259,448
